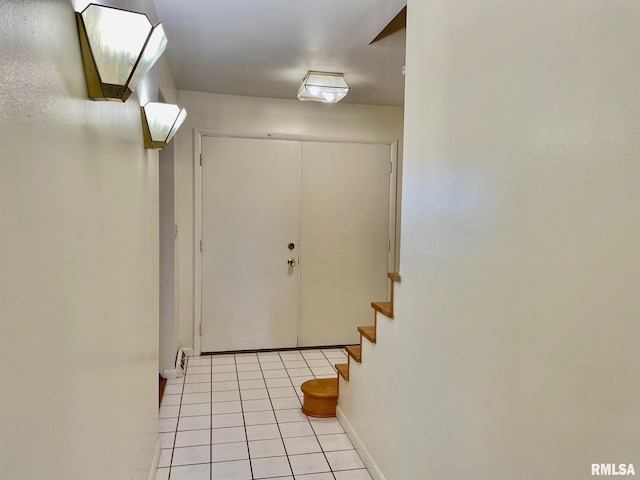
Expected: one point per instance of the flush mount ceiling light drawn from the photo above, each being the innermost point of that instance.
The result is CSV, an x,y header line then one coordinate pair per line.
x,y
118,48
160,122
323,87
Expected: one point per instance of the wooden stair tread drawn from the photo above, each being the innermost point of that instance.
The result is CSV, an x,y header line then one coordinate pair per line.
x,y
368,332
386,308
356,352
343,370
395,276
321,388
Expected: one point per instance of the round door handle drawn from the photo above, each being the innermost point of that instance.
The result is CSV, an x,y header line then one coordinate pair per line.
x,y
291,262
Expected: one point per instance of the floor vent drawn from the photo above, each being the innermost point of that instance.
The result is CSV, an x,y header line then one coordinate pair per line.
x,y
181,362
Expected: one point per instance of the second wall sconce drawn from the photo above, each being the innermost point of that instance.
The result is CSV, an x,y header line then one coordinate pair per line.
x,y
160,122
118,48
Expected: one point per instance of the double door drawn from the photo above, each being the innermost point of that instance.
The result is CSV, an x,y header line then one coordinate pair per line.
x,y
295,241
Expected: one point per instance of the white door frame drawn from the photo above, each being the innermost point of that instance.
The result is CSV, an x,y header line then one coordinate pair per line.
x,y
197,201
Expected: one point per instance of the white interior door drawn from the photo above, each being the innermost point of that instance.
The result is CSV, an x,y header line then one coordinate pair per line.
x,y
249,216
344,239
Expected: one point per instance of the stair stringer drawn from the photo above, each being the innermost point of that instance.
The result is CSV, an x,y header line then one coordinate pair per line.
x,y
361,407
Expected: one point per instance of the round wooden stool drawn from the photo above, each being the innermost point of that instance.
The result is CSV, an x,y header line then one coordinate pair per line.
x,y
320,397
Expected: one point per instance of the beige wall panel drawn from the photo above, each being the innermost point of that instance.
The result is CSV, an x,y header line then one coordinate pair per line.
x,y
514,349
79,261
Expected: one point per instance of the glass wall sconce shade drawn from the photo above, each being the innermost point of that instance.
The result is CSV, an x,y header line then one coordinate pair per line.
x,y
323,87
118,49
160,122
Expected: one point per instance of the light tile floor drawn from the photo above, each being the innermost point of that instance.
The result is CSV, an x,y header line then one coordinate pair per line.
x,y
238,417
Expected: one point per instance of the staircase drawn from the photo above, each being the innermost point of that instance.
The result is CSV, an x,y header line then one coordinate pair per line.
x,y
321,395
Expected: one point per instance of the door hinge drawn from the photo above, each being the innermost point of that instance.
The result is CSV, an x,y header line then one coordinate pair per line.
x,y
389,247
390,166
200,159
200,328
200,245
175,232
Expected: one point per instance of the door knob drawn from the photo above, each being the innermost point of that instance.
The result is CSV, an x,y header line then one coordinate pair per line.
x,y
291,262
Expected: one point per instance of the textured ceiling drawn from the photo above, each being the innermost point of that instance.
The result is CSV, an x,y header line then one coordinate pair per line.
x,y
264,48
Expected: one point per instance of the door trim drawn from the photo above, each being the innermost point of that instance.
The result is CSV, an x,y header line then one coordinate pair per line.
x,y
197,201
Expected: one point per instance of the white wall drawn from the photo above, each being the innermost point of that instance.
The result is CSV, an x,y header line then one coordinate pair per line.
x,y
79,260
168,326
514,350
249,115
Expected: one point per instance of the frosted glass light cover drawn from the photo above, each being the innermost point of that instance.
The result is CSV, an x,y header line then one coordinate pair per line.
x,y
160,122
119,47
152,52
178,124
323,87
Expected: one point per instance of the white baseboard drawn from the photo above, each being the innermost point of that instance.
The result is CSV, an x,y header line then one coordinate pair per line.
x,y
170,374
366,457
156,461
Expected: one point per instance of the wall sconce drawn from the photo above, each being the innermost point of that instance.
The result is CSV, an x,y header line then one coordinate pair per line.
x,y
323,87
160,122
118,48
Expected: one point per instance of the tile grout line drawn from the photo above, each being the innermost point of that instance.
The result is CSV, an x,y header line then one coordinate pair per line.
x,y
244,421
323,451
179,417
210,427
211,423
314,430
175,433
284,445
